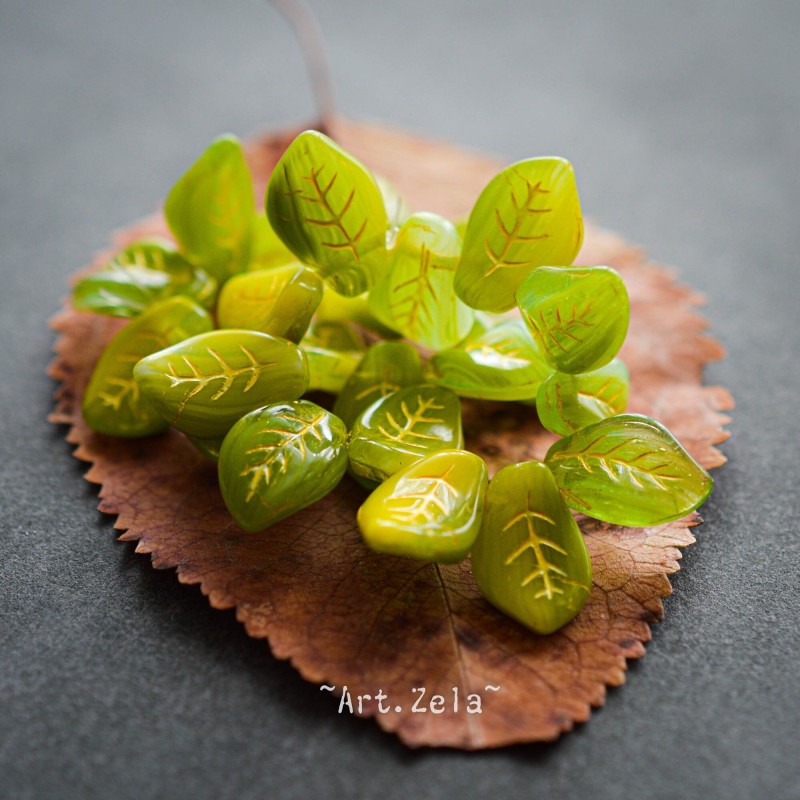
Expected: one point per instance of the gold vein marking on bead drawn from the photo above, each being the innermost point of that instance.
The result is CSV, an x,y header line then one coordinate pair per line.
x,y
512,236
335,220
430,495
406,432
422,296
383,388
129,390
546,333
606,461
227,375
276,455
545,570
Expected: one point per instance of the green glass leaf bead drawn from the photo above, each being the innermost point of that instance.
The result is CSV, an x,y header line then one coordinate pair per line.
x,y
497,363
528,215
567,403
577,315
333,350
328,210
397,208
416,296
530,560
112,403
211,210
204,384
266,248
279,459
384,368
628,470
207,447
279,301
137,277
402,428
337,308
431,510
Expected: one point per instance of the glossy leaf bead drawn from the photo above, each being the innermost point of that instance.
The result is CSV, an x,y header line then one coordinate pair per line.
x,y
266,248
416,297
279,459
431,510
211,210
209,448
526,216
402,428
203,385
497,363
566,403
279,301
113,403
333,350
384,368
628,470
530,560
328,210
577,315
397,208
138,276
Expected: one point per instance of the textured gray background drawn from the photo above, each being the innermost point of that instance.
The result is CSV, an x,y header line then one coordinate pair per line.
x,y
682,119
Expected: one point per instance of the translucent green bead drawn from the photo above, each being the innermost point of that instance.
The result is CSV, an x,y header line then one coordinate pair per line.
x,y
628,470
577,315
279,459
384,368
279,301
337,308
397,208
526,216
138,276
431,510
498,363
328,210
333,350
266,249
402,428
567,403
112,403
416,297
206,383
211,211
530,559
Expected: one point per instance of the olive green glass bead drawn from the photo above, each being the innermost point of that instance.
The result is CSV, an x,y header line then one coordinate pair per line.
x,y
526,216
206,383
113,403
530,559
416,297
497,363
333,350
577,315
566,403
431,510
209,448
279,301
384,368
279,459
138,276
211,210
628,470
328,210
402,428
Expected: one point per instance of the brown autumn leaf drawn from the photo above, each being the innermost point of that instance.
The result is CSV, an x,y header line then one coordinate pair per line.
x,y
346,616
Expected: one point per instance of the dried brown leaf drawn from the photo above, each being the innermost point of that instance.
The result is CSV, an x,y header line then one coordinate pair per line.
x,y
347,616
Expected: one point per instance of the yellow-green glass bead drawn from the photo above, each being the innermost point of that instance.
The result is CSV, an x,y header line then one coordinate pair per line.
x,y
113,403
415,296
333,350
266,248
279,459
526,216
566,403
530,560
384,368
397,207
577,315
628,470
431,510
204,384
496,363
328,210
403,427
279,301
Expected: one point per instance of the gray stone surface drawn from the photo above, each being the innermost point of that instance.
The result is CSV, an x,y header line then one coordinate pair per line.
x,y
682,119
